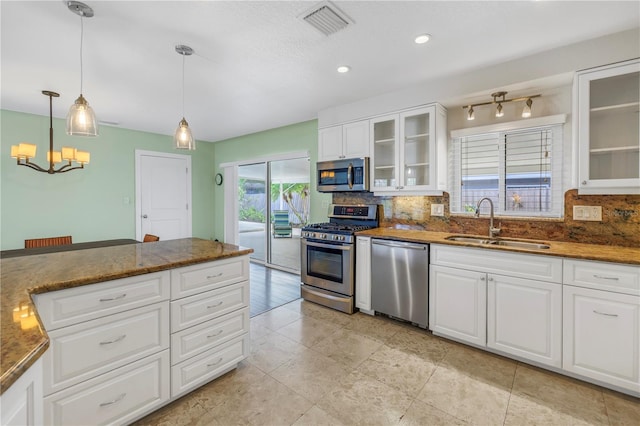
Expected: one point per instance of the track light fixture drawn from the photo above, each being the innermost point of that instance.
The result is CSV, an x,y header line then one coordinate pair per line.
x,y
499,98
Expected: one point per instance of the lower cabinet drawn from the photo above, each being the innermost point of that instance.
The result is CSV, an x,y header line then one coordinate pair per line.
x,y
209,322
143,342
21,404
458,304
120,396
497,300
363,275
601,323
524,318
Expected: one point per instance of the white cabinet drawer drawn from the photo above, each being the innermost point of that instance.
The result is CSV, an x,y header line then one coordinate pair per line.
x,y
117,397
75,305
202,307
195,279
201,337
603,276
208,365
83,351
531,266
602,336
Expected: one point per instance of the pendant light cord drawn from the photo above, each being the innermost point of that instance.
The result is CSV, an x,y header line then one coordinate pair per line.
x,y
81,38
183,85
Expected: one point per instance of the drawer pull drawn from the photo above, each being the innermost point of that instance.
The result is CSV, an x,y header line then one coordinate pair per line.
x,y
116,340
215,363
210,336
109,299
118,399
605,314
214,276
606,278
216,305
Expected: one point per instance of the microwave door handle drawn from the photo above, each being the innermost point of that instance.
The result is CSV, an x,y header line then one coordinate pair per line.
x,y
350,175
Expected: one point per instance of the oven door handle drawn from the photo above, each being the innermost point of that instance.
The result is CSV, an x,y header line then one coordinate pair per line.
x,y
350,175
329,246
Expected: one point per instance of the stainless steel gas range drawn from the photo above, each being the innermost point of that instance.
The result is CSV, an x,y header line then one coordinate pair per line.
x,y
328,255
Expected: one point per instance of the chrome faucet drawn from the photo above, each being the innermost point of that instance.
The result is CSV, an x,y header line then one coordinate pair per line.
x,y
493,232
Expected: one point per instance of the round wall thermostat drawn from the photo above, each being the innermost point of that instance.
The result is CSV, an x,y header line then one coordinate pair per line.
x,y
219,179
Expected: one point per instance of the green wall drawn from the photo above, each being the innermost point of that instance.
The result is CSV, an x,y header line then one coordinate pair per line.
x,y
88,204
294,138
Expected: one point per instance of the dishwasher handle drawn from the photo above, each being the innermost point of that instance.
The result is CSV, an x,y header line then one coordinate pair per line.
x,y
398,245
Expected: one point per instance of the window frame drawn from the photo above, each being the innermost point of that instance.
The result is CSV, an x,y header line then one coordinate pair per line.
x,y
554,122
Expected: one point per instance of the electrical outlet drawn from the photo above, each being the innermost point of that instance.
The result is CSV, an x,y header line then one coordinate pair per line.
x,y
437,209
587,213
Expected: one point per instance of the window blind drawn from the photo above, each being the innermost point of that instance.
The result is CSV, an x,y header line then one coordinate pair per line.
x,y
519,170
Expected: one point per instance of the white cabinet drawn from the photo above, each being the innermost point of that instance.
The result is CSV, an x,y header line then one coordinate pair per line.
x,y
350,140
607,134
209,321
509,302
21,404
117,397
524,318
108,356
601,327
363,275
458,304
408,152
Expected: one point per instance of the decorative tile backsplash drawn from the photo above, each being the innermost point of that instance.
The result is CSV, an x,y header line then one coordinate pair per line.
x,y
620,224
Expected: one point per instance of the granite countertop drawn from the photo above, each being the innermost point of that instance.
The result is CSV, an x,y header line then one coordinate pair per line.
x,y
603,253
22,276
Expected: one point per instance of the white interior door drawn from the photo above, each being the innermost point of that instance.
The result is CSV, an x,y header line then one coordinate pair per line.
x,y
163,195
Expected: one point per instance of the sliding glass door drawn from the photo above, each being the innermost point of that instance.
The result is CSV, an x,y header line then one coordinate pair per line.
x,y
273,205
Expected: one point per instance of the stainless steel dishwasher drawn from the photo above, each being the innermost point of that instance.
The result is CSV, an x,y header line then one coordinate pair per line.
x,y
399,280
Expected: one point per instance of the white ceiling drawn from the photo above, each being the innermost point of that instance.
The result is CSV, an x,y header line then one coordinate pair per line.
x,y
257,64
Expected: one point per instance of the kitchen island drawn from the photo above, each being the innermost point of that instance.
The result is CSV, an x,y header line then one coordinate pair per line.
x,y
24,341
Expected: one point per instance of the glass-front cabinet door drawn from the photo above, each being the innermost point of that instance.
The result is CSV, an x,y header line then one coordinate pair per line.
x,y
416,148
384,135
608,99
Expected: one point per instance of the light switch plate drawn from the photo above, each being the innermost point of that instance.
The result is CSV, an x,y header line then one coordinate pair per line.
x,y
587,213
437,209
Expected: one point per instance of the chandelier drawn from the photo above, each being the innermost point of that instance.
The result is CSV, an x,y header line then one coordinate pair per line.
x,y
24,152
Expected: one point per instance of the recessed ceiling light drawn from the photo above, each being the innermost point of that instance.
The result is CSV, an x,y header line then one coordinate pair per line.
x,y
422,38
343,68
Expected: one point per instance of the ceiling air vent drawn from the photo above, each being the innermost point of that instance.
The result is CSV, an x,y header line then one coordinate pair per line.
x,y
326,18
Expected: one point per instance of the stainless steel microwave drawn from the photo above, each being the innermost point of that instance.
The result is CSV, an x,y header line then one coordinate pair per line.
x,y
346,175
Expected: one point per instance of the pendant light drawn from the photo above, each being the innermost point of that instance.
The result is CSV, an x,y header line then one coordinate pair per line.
x,y
183,139
81,120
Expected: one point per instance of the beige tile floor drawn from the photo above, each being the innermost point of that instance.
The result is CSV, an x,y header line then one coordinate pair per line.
x,y
310,365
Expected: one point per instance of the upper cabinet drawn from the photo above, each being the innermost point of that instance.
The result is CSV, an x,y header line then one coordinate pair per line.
x,y
408,152
347,141
608,139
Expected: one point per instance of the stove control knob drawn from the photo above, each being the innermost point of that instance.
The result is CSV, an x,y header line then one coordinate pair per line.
x,y
340,237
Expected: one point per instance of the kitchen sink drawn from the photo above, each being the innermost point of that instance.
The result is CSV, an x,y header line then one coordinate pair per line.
x,y
497,242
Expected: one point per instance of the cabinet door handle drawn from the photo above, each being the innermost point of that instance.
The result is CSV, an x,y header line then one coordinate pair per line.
x,y
216,305
109,299
215,276
116,340
605,314
606,278
482,278
584,182
211,336
113,401
215,363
